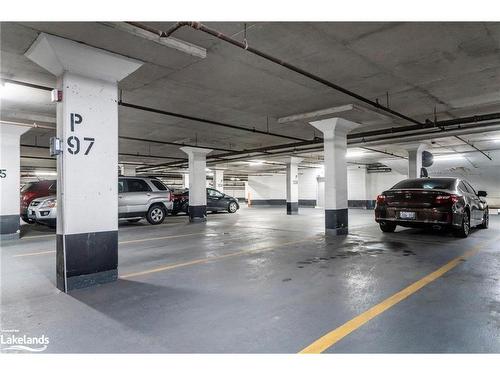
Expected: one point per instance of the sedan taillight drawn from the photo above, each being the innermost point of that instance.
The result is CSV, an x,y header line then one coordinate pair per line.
x,y
444,199
381,199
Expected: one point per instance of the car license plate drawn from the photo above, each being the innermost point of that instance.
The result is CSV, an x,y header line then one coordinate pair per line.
x,y
407,215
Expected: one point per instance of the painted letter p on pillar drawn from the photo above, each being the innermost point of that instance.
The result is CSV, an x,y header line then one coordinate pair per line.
x,y
87,182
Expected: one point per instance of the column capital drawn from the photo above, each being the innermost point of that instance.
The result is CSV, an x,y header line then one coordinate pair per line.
x,y
417,146
334,124
12,130
59,55
195,151
294,160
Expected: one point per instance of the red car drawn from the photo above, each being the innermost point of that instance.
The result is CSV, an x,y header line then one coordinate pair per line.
x,y
33,190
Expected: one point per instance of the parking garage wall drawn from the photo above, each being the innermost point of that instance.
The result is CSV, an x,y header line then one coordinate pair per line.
x,y
363,187
481,178
271,190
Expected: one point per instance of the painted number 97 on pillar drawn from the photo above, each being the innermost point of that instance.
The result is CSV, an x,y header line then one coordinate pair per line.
x,y
74,142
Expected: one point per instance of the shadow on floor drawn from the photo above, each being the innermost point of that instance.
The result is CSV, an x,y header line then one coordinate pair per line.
x,y
134,304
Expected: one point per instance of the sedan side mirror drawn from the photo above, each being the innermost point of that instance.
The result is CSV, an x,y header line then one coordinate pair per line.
x,y
481,193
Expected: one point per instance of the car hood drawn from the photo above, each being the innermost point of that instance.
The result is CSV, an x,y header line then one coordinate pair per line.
x,y
44,198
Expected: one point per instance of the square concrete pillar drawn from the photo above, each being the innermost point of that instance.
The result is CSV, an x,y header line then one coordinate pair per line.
x,y
197,183
414,158
185,180
292,185
10,160
335,147
87,183
219,178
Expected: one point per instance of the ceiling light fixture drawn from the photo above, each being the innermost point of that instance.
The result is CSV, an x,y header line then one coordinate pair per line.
x,y
354,153
45,173
447,157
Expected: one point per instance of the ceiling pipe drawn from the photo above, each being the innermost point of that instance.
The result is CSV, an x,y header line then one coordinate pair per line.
x,y
37,126
266,56
291,147
355,138
172,114
206,121
120,153
474,147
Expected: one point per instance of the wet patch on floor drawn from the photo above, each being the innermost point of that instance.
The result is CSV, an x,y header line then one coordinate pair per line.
x,y
355,246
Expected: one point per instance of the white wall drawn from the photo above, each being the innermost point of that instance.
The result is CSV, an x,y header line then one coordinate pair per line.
x,y
378,182
274,187
356,182
308,184
361,185
481,178
267,187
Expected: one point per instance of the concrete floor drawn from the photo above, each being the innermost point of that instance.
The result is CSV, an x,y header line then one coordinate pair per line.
x,y
260,281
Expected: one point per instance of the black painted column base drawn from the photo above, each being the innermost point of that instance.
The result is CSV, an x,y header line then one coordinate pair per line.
x,y
9,227
292,208
197,214
336,221
86,259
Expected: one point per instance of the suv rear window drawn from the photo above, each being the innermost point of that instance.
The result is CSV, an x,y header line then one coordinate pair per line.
x,y
159,185
136,185
426,183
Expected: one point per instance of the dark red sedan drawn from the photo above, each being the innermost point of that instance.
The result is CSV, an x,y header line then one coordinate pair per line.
x,y
440,203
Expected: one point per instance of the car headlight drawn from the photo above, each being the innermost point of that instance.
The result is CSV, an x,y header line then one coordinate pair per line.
x,y
49,203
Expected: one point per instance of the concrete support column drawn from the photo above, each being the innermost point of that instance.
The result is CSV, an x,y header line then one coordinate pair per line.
x,y
335,147
197,182
292,185
87,183
414,159
10,160
128,170
219,179
185,180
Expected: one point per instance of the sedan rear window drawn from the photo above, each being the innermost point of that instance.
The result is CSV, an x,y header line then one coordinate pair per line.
x,y
426,183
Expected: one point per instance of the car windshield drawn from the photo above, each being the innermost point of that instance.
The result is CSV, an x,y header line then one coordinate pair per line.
x,y
427,183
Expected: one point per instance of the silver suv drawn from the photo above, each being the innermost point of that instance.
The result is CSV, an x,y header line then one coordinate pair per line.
x,y
138,198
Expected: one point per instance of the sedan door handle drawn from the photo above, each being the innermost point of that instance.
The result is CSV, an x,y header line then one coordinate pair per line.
x,y
120,196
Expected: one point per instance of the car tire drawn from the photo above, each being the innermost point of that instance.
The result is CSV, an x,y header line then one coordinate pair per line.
x,y
156,214
27,221
387,227
134,220
464,230
232,207
486,221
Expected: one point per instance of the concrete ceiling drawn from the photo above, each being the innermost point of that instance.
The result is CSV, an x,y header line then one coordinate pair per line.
x,y
453,67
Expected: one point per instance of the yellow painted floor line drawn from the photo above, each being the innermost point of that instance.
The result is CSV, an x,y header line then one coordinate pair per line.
x,y
38,236
120,243
163,238
332,337
37,253
209,259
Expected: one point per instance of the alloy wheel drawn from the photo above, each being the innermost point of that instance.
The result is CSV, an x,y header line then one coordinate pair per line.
x,y
157,214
